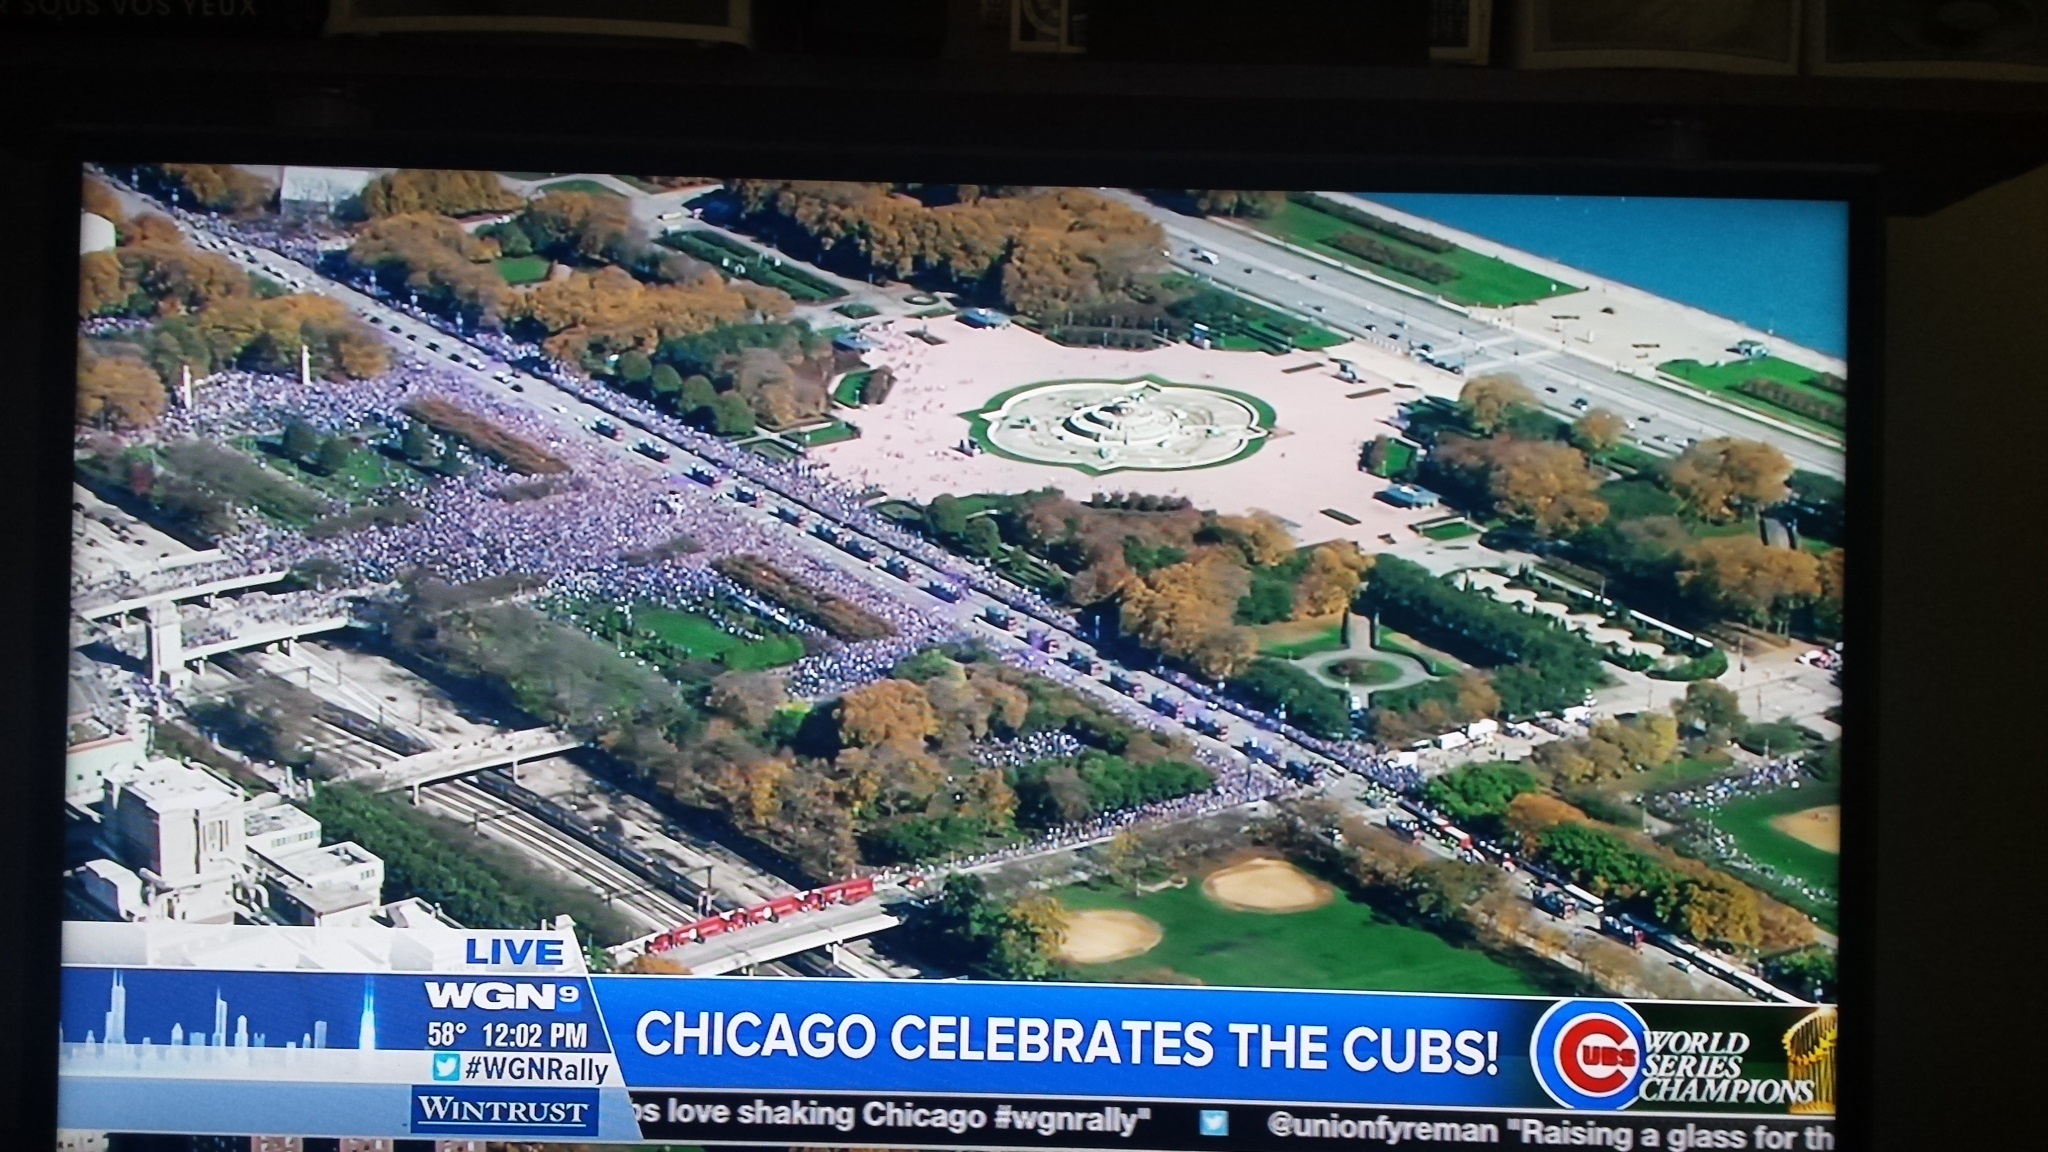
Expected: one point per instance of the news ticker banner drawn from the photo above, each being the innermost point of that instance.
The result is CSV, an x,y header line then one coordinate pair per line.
x,y
503,1034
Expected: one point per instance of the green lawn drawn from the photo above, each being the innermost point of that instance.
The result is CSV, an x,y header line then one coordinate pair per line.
x,y
847,392
1438,663
590,186
702,639
832,433
1722,379
1749,822
368,471
1343,944
1484,281
1677,773
1455,530
856,310
527,175
523,269
1400,455
1329,640
697,635
1636,499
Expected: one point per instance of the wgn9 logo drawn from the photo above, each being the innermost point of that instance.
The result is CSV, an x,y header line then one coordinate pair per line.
x,y
1588,1054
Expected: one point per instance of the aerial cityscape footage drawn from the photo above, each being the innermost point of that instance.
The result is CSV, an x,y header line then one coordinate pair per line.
x,y
913,581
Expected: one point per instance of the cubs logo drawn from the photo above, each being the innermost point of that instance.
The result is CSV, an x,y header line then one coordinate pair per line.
x,y
1588,1054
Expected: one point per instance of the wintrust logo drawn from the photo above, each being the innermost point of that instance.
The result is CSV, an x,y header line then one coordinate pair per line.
x,y
1588,1054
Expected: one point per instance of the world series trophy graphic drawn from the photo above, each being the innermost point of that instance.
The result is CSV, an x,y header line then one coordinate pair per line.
x,y
1810,1055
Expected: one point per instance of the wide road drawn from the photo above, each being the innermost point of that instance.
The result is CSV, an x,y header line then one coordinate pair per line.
x,y
1663,418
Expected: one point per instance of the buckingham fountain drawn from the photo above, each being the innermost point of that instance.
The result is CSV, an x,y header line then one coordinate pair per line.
x,y
1102,426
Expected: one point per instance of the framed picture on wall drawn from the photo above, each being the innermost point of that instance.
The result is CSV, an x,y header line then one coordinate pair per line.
x,y
717,21
1048,26
1760,36
1460,31
1965,39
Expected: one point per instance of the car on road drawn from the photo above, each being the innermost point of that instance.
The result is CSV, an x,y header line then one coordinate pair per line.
x,y
1644,419
396,328
1581,402
558,407
518,387
433,345
669,216
413,336
455,357
1550,388
1204,256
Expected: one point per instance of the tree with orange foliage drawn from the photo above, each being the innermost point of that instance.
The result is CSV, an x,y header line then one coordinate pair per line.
x,y
1185,611
1598,430
1723,478
1330,580
581,226
887,712
100,200
1748,578
1263,537
443,192
1487,401
219,187
117,391
432,257
1530,814
591,314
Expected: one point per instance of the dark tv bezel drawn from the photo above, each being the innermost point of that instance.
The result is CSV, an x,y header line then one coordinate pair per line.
x,y
48,187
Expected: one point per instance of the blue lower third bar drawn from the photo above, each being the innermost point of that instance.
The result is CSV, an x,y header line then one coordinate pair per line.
x,y
250,1108
447,1110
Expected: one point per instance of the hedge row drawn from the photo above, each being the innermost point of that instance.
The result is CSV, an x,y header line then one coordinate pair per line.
x,y
482,436
1372,223
1539,665
1369,249
714,248
842,618
1833,413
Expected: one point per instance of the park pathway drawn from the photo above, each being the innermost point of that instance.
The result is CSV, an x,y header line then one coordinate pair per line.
x,y
1358,637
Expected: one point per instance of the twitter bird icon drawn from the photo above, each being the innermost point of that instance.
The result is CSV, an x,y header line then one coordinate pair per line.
x,y
447,1066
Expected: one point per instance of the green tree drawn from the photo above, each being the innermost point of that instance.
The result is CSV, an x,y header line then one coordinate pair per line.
x,y
982,537
1479,794
1711,707
987,938
512,239
634,367
301,440
945,516
666,383
333,455
696,398
730,415
417,445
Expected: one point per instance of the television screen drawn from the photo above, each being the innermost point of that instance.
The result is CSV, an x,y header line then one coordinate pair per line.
x,y
584,658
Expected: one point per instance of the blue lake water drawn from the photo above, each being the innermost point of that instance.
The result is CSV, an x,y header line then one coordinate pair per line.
x,y
1778,265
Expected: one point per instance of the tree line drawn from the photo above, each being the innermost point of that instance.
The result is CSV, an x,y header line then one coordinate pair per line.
x,y
1034,250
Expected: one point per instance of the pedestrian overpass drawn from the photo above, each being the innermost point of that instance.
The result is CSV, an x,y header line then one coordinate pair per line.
x,y
503,750
745,948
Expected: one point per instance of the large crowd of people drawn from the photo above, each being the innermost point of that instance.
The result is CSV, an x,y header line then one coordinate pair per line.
x,y
599,532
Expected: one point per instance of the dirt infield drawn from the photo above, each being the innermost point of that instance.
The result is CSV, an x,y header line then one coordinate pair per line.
x,y
1266,885
1815,827
1102,936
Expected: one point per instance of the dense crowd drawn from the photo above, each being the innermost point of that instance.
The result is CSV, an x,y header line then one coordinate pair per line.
x,y
591,535
1688,806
